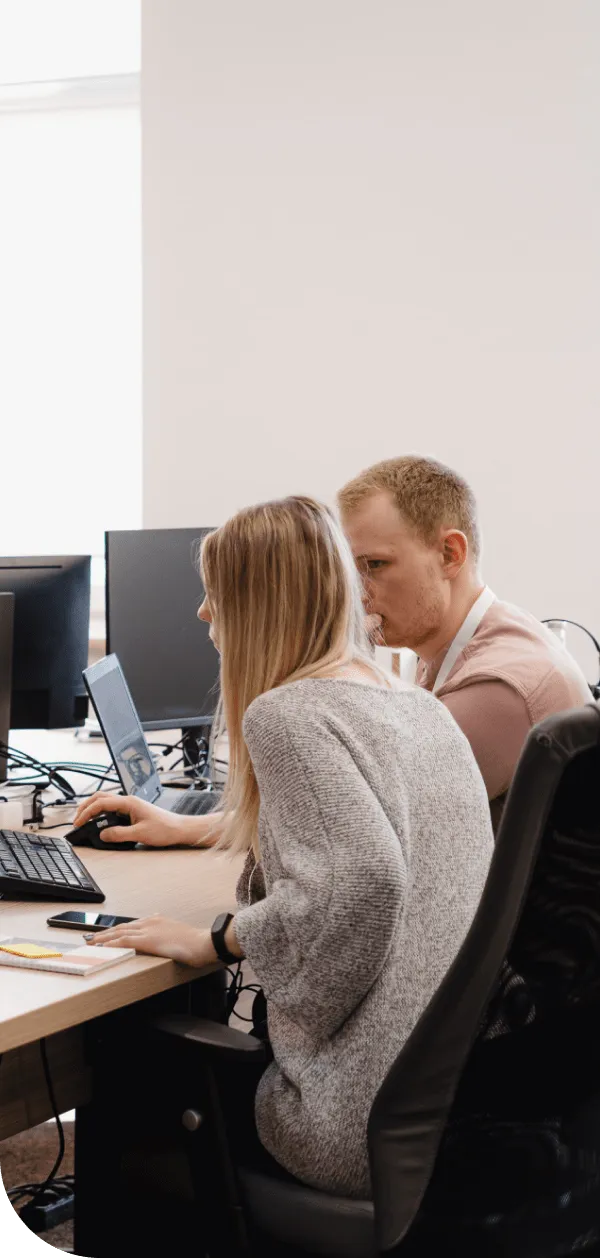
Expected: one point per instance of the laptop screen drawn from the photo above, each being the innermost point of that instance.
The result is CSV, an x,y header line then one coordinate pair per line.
x,y
121,727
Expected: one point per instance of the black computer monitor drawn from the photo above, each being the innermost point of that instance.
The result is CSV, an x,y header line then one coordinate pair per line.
x,y
7,612
50,638
153,592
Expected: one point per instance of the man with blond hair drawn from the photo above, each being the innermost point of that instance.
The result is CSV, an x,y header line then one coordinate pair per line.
x,y
412,525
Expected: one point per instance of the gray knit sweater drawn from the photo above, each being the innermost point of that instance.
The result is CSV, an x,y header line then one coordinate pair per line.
x,y
376,839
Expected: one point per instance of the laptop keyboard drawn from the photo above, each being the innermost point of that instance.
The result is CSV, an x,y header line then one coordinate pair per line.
x,y
36,866
195,803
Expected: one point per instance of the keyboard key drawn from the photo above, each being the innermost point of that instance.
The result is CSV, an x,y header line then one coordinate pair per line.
x,y
26,864
60,878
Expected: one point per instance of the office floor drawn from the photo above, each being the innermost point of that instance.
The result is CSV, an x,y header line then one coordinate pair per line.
x,y
28,1158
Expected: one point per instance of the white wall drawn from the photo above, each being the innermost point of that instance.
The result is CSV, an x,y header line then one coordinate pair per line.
x,y
372,228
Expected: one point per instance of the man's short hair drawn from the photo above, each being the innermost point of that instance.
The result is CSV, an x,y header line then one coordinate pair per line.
x,y
427,494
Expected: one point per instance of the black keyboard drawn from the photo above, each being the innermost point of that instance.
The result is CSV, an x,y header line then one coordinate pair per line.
x,y
34,866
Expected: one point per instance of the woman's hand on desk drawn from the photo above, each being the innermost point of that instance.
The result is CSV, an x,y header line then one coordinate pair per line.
x,y
162,937
150,825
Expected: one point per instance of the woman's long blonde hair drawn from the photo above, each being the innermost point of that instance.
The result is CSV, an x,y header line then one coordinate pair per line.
x,y
286,603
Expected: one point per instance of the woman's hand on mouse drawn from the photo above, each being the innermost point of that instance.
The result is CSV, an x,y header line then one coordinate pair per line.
x,y
150,825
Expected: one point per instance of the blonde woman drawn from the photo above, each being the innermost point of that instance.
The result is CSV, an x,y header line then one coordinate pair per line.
x,y
366,826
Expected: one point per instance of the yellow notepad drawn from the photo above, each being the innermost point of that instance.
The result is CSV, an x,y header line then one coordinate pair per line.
x,y
28,950
40,954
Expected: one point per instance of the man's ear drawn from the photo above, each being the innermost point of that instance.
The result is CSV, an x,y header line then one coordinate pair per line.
x,y
455,552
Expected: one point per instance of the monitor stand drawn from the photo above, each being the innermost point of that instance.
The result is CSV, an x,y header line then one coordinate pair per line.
x,y
7,611
194,744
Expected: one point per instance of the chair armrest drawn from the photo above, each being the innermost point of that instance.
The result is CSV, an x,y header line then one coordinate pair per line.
x,y
223,1041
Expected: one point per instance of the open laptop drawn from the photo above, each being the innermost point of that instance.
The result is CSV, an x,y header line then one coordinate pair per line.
x,y
126,741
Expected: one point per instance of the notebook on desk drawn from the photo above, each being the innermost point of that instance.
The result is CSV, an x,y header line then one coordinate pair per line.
x,y
62,958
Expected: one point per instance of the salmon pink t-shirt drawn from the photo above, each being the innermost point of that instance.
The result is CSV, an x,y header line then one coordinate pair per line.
x,y
512,674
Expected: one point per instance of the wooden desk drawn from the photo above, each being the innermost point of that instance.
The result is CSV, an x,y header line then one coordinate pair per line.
x,y
188,883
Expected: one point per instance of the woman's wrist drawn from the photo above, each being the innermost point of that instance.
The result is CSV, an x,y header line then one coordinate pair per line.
x,y
200,831
203,950
232,942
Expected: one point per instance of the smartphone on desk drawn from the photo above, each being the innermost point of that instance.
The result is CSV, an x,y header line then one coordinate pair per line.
x,y
88,921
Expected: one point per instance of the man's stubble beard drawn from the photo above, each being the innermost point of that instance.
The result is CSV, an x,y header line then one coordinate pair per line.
x,y
425,624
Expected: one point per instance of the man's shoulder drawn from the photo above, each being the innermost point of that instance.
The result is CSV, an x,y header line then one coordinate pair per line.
x,y
512,646
505,617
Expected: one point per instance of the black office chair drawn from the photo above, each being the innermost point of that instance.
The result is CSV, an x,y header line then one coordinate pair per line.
x,y
484,1139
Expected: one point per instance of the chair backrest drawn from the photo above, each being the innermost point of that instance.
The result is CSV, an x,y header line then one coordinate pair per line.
x,y
556,946
548,805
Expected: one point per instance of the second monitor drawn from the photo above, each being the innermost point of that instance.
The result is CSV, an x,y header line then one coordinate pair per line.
x,y
153,592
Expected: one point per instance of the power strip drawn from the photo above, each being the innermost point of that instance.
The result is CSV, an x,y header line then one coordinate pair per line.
x,y
48,1211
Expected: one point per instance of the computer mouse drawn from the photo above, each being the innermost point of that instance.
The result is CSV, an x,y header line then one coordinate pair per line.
x,y
90,835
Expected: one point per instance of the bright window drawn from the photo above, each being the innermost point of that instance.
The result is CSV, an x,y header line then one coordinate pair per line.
x,y
70,267
66,39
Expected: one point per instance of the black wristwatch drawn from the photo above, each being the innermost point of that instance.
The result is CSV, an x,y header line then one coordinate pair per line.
x,y
217,934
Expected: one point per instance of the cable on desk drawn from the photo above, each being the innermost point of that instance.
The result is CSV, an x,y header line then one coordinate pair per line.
x,y
52,769
75,765
175,765
21,764
22,759
67,803
51,774
192,769
56,825
101,772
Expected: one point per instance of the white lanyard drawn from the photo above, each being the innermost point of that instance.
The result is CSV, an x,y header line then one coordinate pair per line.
x,y
469,626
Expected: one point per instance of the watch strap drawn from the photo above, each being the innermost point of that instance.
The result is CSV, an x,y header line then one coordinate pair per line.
x,y
217,935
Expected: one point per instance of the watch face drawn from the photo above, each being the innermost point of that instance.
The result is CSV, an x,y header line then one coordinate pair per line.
x,y
219,923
